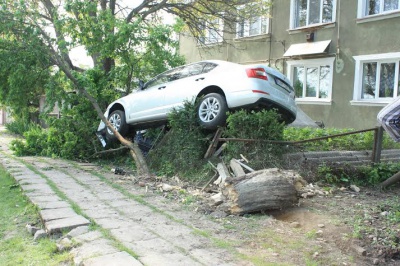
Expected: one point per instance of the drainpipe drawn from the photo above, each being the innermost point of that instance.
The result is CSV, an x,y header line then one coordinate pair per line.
x,y
270,36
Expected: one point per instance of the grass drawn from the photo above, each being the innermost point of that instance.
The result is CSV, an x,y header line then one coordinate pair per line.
x,y
17,246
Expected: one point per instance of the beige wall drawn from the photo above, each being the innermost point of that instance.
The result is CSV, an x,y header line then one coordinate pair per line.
x,y
356,37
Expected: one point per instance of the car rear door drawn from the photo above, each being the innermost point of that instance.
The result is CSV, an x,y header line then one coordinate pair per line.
x,y
192,80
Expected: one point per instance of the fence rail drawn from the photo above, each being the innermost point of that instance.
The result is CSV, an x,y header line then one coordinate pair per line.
x,y
376,149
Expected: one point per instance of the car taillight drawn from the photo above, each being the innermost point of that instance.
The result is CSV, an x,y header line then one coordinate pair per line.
x,y
258,73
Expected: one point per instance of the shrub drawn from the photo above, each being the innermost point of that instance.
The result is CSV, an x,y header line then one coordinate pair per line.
x,y
182,148
262,125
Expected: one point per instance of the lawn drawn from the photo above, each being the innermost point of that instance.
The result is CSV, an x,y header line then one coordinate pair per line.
x,y
17,246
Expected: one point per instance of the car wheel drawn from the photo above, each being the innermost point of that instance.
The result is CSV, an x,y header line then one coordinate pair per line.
x,y
117,120
211,111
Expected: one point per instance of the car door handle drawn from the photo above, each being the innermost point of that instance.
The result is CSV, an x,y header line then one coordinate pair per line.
x,y
162,87
199,79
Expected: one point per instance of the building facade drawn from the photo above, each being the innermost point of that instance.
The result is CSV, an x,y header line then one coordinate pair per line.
x,y
342,56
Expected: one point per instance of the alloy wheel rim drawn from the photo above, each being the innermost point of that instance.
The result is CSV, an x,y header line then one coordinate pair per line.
x,y
209,109
115,121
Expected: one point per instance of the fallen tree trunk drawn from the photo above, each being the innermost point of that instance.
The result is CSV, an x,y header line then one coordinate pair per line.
x,y
267,189
390,181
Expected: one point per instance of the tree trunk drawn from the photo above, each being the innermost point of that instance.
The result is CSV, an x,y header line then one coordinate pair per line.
x,y
267,189
390,181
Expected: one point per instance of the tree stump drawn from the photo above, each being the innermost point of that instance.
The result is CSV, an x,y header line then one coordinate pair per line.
x,y
267,189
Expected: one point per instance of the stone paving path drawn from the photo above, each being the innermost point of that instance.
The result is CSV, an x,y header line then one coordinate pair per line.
x,y
128,231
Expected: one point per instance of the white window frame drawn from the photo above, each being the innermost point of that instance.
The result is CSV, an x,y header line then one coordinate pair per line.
x,y
246,24
293,15
208,32
358,77
313,63
362,8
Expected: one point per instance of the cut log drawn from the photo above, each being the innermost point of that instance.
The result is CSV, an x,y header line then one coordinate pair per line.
x,y
390,181
223,174
236,168
267,189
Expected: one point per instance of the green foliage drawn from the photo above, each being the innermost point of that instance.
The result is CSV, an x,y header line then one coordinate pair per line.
x,y
20,126
359,141
262,125
183,147
369,175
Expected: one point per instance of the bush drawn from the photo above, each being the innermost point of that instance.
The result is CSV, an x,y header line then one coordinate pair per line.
x,y
368,175
20,126
359,141
182,148
262,125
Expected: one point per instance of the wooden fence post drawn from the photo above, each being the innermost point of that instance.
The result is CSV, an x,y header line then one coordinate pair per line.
x,y
377,149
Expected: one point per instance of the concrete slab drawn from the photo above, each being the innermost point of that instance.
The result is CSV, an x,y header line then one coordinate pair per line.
x,y
65,224
132,233
52,205
88,237
115,259
38,188
98,247
54,214
48,198
170,259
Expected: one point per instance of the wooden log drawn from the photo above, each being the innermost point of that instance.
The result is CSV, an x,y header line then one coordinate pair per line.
x,y
223,174
267,189
390,181
236,168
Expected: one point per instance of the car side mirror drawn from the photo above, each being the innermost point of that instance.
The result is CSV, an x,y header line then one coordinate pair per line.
x,y
141,85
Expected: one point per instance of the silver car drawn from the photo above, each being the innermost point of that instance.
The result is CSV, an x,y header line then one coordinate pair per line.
x,y
219,86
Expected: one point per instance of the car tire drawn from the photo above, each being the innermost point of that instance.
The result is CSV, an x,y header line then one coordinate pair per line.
x,y
117,120
211,111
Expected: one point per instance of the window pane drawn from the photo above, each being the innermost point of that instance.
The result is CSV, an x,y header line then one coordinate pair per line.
x,y
240,29
255,26
372,7
386,86
312,82
324,83
314,9
390,5
298,81
327,11
264,25
369,81
301,13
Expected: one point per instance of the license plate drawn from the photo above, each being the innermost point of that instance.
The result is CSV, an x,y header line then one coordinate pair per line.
x,y
101,138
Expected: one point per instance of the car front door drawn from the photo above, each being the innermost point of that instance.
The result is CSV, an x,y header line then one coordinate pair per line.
x,y
193,79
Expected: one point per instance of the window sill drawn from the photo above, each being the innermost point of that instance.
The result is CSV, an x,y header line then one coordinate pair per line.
x,y
369,102
209,45
377,17
253,37
314,102
312,27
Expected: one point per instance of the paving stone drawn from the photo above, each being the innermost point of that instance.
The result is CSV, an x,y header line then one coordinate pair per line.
x,y
38,188
99,213
169,259
46,198
132,233
113,223
124,203
52,205
99,247
78,231
88,237
115,259
54,214
65,224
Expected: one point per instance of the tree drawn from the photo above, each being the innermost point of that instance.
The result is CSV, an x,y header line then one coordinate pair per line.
x,y
125,42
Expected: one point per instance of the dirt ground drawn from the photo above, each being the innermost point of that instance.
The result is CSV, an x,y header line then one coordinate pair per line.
x,y
342,227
